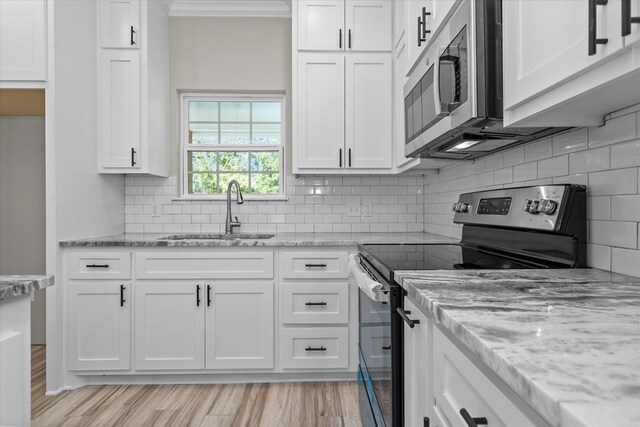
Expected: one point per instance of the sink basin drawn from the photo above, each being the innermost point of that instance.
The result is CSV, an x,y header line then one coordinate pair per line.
x,y
218,237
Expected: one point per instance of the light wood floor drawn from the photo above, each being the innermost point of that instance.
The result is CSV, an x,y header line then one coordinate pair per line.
x,y
281,405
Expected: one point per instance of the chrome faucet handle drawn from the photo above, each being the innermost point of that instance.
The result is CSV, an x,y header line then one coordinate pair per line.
x,y
237,221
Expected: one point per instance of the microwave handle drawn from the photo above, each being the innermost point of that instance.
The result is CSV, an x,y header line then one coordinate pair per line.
x,y
436,85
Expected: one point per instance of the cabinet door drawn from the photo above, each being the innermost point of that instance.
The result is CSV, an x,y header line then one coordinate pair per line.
x,y
120,109
368,25
368,111
632,37
399,20
169,325
320,132
417,23
23,40
416,367
439,13
120,23
99,326
321,25
240,325
535,61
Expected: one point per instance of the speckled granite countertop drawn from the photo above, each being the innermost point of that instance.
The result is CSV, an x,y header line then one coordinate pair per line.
x,y
280,239
14,286
567,341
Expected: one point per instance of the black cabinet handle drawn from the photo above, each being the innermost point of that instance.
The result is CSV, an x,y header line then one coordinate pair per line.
x,y
133,156
403,314
426,422
473,422
97,265
340,157
315,265
627,19
349,157
133,43
315,303
340,38
315,349
208,295
197,295
349,38
386,347
420,39
424,24
593,37
122,300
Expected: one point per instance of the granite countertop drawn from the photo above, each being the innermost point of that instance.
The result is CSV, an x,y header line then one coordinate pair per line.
x,y
14,286
566,341
280,239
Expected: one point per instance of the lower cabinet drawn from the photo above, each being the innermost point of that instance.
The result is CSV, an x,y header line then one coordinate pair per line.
x,y
99,333
417,366
315,348
204,325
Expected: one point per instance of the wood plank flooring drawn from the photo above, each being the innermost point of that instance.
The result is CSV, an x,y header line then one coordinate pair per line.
x,y
230,405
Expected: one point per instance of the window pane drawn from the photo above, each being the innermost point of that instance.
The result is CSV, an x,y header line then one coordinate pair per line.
x,y
235,133
202,161
266,133
265,183
242,178
266,111
200,111
234,111
233,161
202,183
265,161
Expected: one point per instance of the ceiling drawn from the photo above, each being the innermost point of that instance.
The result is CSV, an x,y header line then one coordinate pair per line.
x,y
264,8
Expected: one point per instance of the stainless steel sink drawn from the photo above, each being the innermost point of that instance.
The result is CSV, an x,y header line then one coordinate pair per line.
x,y
218,237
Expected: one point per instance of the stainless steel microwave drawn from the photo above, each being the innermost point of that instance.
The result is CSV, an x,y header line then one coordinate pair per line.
x,y
453,99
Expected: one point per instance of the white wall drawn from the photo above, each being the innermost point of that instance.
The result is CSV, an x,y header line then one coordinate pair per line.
x,y
605,159
22,206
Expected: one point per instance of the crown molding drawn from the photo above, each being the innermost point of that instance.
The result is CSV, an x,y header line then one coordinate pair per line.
x,y
249,8
165,4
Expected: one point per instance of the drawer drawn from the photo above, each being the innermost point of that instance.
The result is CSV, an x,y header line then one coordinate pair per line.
x,y
315,348
315,303
459,383
206,265
314,265
99,265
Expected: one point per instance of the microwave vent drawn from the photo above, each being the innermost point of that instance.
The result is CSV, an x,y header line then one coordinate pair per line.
x,y
498,130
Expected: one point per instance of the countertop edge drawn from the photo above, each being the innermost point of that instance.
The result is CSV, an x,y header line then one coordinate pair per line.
x,y
12,286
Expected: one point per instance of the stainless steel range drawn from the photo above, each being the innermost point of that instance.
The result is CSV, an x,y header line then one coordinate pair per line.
x,y
515,228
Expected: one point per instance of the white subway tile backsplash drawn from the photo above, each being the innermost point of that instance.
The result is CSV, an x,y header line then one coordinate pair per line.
x,y
616,130
614,233
599,256
599,207
625,261
503,176
625,208
570,142
525,172
589,161
626,154
513,157
621,181
537,150
555,166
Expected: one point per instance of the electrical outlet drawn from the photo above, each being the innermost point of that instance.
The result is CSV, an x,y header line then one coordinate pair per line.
x,y
353,209
367,210
155,210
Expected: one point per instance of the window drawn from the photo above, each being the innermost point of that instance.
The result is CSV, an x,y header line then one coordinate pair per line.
x,y
225,137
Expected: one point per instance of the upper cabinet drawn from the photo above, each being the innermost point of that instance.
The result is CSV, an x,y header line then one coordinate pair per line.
x,y
23,40
344,25
133,87
578,69
120,23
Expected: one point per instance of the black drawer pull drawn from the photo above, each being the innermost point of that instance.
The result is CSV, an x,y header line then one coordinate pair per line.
x,y
122,300
316,265
471,421
386,347
133,43
97,265
197,295
426,421
315,349
208,295
409,322
315,303
340,38
133,157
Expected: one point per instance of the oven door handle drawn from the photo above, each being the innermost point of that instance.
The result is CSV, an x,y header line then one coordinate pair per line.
x,y
403,314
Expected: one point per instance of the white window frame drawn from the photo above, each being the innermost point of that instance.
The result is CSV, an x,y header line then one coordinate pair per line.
x,y
185,147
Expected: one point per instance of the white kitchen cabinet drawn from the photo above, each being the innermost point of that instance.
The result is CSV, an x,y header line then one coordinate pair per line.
x,y
399,20
338,25
120,109
99,333
551,78
133,107
417,367
631,23
344,113
239,325
23,40
169,331
368,111
120,23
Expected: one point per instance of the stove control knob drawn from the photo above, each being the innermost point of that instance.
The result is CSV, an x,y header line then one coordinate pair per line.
x,y
527,205
464,207
534,208
454,207
548,207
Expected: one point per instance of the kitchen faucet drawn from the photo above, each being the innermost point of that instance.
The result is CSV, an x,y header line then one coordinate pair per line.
x,y
230,224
